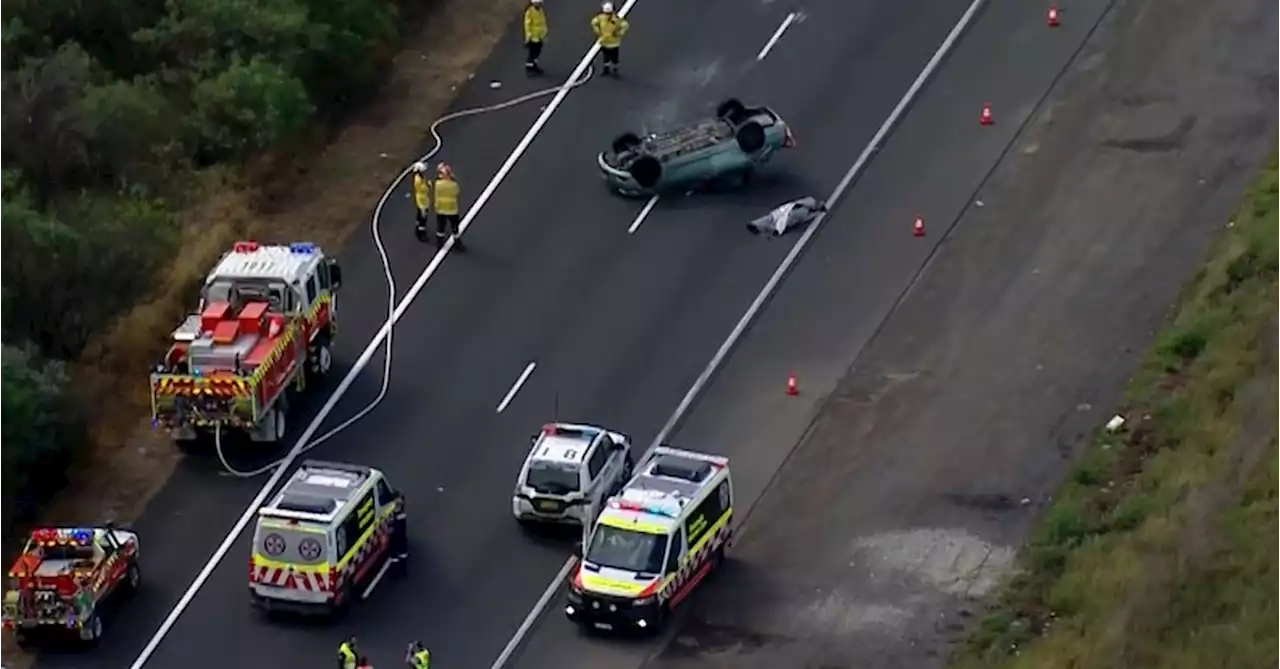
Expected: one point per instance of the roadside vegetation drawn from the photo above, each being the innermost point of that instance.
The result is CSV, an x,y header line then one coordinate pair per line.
x,y
119,118
1160,550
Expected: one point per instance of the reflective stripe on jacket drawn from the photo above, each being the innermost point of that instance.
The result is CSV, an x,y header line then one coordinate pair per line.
x,y
535,24
421,659
446,191
421,192
609,29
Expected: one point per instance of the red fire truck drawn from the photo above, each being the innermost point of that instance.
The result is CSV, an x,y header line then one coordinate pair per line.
x,y
63,579
263,332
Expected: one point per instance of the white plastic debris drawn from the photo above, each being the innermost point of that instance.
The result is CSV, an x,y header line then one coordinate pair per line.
x,y
495,84
1116,422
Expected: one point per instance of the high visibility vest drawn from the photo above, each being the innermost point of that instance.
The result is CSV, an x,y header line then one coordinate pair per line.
x,y
609,29
446,191
535,24
421,191
421,659
346,656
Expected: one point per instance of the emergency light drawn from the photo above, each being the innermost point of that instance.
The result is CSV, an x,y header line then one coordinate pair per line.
x,y
302,248
49,535
245,247
652,509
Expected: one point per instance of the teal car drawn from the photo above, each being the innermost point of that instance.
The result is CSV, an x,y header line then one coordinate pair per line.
x,y
727,147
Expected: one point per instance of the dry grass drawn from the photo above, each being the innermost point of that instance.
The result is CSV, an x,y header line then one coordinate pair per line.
x,y
322,197
1161,549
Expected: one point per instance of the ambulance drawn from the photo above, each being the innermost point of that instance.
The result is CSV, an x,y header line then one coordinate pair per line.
x,y
323,540
653,542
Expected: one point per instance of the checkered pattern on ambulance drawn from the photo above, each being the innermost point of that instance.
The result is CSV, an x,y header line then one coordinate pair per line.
x,y
695,565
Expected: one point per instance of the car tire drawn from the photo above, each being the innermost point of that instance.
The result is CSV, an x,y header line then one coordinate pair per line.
x,y
646,170
625,142
133,578
750,137
731,110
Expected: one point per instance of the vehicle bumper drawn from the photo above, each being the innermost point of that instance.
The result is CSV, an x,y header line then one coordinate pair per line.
x,y
612,613
272,599
524,511
619,179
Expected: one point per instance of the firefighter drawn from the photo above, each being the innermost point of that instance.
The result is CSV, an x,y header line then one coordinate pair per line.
x,y
417,656
347,654
609,29
399,530
535,33
446,193
421,199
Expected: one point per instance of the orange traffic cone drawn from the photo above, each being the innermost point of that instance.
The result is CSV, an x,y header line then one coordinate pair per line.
x,y
1052,17
917,228
985,117
792,388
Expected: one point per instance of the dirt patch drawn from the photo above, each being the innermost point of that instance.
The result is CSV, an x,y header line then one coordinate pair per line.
x,y
321,196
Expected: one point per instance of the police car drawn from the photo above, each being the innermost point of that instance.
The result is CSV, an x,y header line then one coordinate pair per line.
x,y
570,471
323,540
654,542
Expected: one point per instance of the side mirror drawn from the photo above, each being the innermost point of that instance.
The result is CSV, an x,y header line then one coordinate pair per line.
x,y
335,274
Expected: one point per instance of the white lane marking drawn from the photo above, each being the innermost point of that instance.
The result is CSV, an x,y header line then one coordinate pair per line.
x,y
531,619
648,207
386,564
515,388
777,35
367,355
765,293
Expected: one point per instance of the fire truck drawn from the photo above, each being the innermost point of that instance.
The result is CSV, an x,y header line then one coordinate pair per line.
x,y
261,336
62,581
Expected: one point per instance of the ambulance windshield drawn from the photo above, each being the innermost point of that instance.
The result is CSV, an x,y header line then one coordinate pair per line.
x,y
627,550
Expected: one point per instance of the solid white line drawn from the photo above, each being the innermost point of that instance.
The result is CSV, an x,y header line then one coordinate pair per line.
x,y
777,35
363,361
533,618
524,376
769,287
386,564
648,207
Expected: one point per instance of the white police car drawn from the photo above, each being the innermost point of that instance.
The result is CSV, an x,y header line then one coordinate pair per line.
x,y
570,472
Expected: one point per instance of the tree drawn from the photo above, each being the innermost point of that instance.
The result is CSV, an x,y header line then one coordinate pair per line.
x,y
133,133
41,120
41,429
66,276
248,107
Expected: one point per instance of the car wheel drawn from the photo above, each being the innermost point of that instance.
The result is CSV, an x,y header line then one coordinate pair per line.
x,y
625,142
750,137
91,631
133,577
731,110
646,170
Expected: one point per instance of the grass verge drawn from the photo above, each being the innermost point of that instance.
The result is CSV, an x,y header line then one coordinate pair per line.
x,y
1160,550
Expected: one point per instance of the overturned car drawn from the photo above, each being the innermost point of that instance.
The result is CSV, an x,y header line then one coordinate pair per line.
x,y
727,147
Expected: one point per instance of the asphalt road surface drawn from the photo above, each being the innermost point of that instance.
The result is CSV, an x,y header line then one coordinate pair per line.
x,y
618,324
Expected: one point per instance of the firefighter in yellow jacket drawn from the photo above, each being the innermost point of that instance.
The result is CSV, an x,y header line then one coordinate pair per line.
x,y
421,200
609,29
535,33
446,192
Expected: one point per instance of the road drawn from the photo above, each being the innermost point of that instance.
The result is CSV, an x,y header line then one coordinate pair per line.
x,y
619,324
